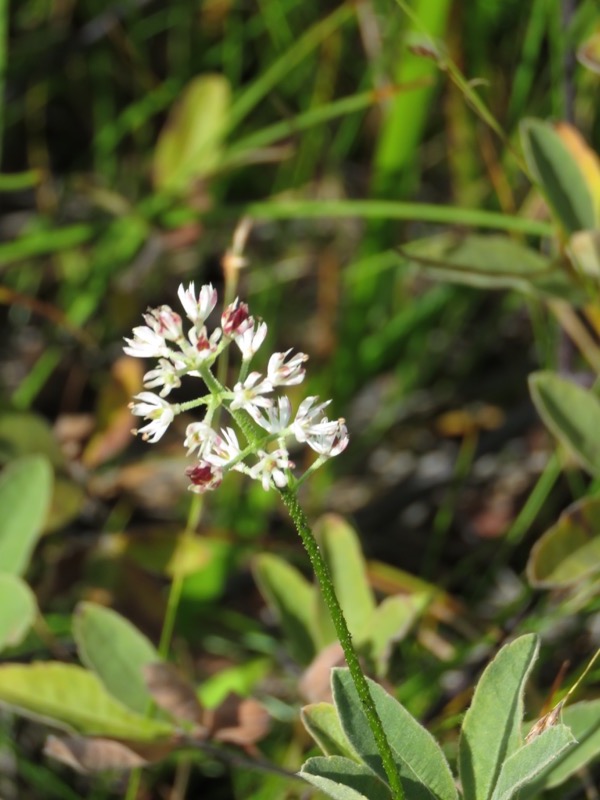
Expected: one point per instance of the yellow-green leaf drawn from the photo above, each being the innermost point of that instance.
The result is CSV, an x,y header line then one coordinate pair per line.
x,y
117,652
190,145
589,52
72,698
341,550
558,176
17,610
25,492
572,414
570,550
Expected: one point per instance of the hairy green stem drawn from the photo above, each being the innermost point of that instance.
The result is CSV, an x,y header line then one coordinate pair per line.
x,y
362,688
298,516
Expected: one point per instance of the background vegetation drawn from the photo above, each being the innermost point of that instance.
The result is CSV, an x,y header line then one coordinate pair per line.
x,y
135,138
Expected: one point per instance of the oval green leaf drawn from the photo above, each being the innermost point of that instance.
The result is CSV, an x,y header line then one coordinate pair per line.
x,y
572,414
190,144
342,552
558,176
25,434
570,550
584,252
491,730
117,652
423,768
390,623
588,53
72,698
323,724
18,608
344,779
527,763
583,719
25,493
291,597
487,262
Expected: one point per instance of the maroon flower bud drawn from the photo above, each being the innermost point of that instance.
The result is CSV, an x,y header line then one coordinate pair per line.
x,y
204,477
236,318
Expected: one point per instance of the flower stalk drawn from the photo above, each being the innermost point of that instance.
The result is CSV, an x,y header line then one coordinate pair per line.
x,y
299,519
266,424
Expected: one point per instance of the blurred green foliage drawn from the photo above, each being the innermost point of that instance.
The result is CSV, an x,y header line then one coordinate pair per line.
x,y
377,150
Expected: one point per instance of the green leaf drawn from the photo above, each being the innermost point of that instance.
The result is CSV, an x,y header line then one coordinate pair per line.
x,y
341,550
291,597
491,731
487,262
323,724
70,697
583,720
25,493
24,434
390,623
422,765
117,652
239,679
570,550
344,779
59,626
190,145
18,608
571,413
584,252
558,175
588,53
530,760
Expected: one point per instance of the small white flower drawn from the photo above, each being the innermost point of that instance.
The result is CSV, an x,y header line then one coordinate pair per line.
x,y
199,436
164,375
306,417
328,438
225,447
198,308
204,477
146,343
290,373
203,346
165,322
251,339
249,394
192,353
272,468
158,411
276,419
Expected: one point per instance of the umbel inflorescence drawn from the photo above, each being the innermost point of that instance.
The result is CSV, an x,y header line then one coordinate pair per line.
x,y
261,414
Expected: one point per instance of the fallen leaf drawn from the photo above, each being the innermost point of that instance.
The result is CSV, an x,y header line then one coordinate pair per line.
x,y
315,683
96,754
173,692
241,721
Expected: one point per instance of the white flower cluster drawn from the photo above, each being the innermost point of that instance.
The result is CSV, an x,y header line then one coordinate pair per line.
x,y
180,354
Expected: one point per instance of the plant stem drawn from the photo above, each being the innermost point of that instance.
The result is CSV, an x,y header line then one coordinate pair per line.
x,y
362,688
177,582
166,635
288,495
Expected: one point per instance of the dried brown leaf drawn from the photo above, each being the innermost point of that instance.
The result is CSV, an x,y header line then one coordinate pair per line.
x,y
241,721
315,683
173,692
92,755
547,721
